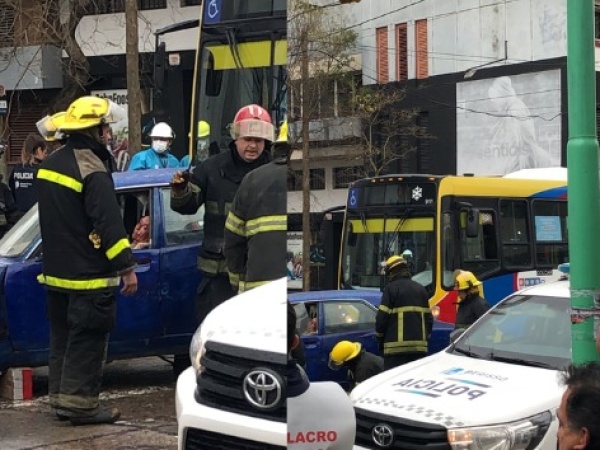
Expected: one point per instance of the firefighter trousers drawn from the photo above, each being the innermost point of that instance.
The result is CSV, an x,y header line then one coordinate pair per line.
x,y
79,329
213,290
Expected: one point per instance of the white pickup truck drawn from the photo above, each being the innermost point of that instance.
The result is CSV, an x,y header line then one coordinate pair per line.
x,y
495,387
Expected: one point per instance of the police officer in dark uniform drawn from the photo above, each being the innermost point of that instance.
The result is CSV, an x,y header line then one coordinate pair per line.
x,y
404,302
256,226
22,178
86,255
214,184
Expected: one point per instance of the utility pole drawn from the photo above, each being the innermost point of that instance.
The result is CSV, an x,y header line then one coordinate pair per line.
x,y
306,231
583,180
134,100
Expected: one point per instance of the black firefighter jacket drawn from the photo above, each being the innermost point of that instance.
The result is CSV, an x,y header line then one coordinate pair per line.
x,y
85,243
404,320
213,184
256,227
469,310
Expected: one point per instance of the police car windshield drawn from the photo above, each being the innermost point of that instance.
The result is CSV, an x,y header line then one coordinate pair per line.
x,y
523,329
22,235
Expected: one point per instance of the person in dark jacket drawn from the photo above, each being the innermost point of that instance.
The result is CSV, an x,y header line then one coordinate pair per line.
x,y
361,364
404,320
214,184
86,255
256,227
22,179
8,210
471,305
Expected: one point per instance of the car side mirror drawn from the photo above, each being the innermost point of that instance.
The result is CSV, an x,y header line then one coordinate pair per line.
x,y
454,335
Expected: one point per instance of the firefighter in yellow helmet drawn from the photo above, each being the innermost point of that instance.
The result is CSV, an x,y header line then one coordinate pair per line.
x,y
205,148
82,268
404,320
361,365
471,305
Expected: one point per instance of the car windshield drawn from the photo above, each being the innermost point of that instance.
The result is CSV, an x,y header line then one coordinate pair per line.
x,y
523,329
22,235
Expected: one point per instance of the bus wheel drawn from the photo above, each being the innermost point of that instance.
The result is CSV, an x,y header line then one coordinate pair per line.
x,y
180,363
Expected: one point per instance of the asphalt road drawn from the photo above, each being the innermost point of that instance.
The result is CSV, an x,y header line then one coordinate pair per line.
x,y
142,388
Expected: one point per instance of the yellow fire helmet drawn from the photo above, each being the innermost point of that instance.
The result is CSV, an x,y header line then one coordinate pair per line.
x,y
203,129
465,281
393,262
90,111
282,136
343,352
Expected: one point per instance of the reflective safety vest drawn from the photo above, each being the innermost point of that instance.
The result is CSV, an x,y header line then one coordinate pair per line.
x,y
256,227
85,243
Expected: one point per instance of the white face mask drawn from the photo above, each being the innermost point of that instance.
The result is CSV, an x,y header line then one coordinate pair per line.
x,y
160,146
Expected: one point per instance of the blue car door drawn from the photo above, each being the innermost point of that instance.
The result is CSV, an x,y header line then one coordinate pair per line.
x,y
345,320
181,236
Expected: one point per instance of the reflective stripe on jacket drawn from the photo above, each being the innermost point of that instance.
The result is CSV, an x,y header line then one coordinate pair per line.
x,y
214,184
85,243
404,320
256,227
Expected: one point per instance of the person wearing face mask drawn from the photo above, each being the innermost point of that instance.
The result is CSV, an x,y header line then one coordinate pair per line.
x,y
158,155
22,179
214,184
204,147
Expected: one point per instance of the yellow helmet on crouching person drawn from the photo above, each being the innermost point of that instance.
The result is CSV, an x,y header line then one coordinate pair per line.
x,y
342,353
394,264
466,281
281,146
49,127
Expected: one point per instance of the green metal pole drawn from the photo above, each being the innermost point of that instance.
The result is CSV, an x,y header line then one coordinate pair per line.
x,y
582,170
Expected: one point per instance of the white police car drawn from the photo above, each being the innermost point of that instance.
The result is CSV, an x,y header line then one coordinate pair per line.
x,y
495,387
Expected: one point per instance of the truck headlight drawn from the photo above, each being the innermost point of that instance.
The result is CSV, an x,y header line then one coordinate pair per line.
x,y
523,434
197,350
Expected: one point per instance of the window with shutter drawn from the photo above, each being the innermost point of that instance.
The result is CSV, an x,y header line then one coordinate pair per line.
x,y
382,55
21,122
401,52
421,49
7,25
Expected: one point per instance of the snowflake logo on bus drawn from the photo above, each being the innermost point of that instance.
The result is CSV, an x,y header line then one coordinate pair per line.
x,y
417,193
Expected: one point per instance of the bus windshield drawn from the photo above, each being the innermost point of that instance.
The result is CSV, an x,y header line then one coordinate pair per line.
x,y
240,74
370,241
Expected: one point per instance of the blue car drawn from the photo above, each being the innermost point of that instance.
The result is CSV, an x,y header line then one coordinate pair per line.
x,y
327,317
158,320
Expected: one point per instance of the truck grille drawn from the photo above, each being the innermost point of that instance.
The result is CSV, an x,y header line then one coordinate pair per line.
x,y
221,383
205,440
407,434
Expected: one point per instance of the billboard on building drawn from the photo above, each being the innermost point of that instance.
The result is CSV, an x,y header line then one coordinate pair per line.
x,y
121,128
508,123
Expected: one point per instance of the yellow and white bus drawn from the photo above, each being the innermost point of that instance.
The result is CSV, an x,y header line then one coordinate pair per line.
x,y
510,232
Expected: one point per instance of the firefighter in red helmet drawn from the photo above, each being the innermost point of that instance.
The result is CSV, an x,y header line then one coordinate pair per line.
x,y
214,184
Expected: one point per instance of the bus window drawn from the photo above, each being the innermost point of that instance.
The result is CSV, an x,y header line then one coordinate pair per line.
x,y
516,244
551,237
448,264
479,254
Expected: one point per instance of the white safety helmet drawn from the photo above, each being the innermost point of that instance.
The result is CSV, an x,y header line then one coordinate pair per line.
x,y
162,130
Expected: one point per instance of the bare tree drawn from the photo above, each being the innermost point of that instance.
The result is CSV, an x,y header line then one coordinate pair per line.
x,y
386,129
133,76
319,49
